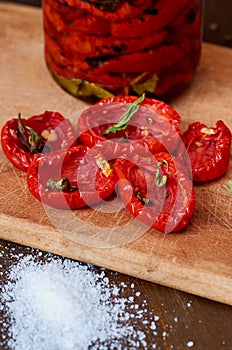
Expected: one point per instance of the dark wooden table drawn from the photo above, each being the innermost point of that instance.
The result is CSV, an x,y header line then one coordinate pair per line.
x,y
183,317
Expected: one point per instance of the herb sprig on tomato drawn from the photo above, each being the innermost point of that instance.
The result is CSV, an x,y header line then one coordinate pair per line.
x,y
162,197
72,179
133,145
128,120
22,138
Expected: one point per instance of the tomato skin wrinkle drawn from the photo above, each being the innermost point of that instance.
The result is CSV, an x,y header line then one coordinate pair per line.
x,y
167,208
83,190
208,149
57,131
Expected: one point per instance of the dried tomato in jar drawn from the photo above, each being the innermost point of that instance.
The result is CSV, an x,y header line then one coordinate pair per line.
x,y
97,49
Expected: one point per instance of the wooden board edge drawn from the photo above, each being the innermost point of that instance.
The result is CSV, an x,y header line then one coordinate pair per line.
x,y
201,283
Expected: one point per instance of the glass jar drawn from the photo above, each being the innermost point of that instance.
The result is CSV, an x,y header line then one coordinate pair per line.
x,y
101,48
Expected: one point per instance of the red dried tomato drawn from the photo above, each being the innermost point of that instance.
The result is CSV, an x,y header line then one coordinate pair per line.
x,y
164,56
22,138
154,124
159,193
67,21
98,47
111,10
208,149
71,180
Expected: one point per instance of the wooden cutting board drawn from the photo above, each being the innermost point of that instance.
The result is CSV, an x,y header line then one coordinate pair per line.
x,y
199,260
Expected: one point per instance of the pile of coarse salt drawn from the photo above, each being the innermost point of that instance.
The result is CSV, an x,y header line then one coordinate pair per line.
x,y
60,304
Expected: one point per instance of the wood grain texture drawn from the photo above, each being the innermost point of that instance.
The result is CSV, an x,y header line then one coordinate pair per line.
x,y
196,261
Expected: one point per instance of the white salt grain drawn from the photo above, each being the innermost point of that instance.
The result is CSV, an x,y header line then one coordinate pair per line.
x,y
123,284
153,325
63,305
145,322
190,343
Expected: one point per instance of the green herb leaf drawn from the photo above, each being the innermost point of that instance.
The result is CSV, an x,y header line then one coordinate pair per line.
x,y
82,88
147,86
125,119
160,181
146,201
62,185
29,137
229,187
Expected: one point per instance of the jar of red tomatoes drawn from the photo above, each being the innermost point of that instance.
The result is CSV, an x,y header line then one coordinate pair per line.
x,y
101,48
